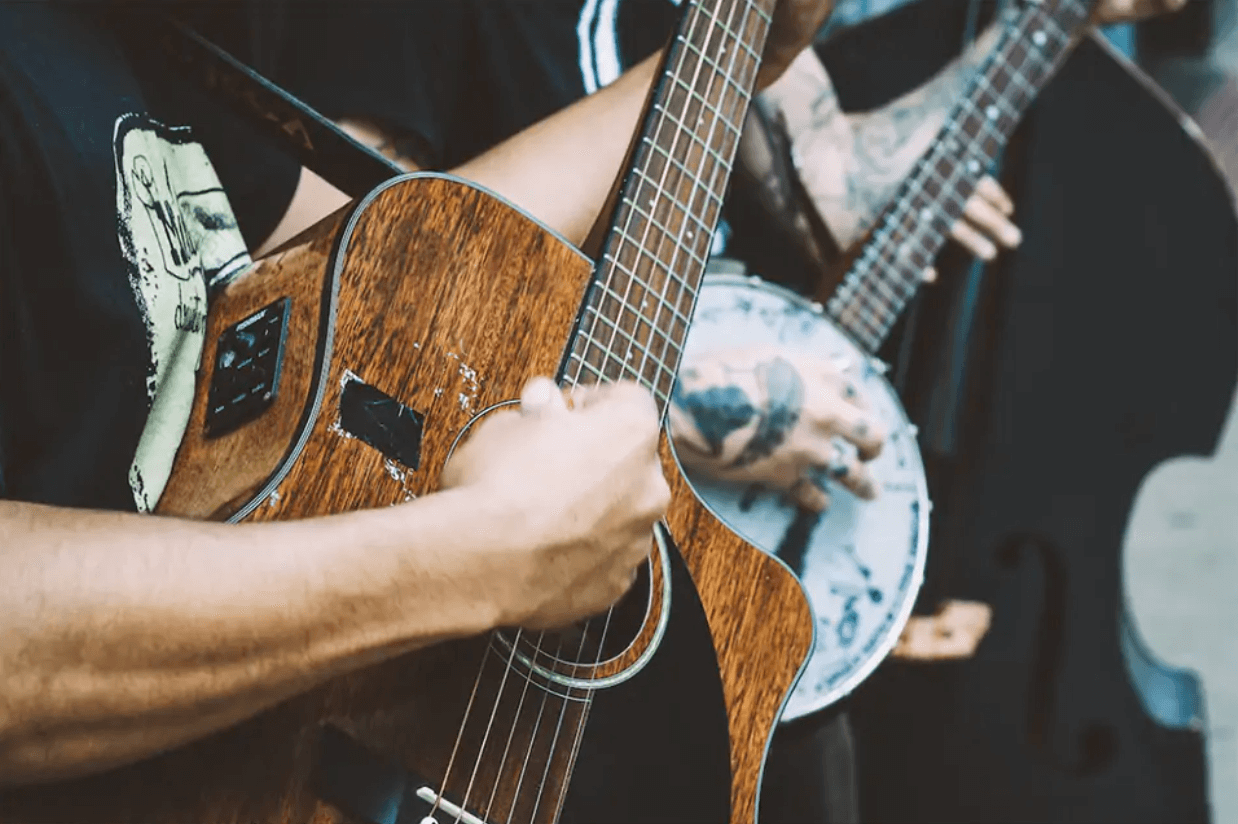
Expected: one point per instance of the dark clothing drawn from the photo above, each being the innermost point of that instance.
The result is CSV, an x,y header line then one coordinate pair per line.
x,y
113,221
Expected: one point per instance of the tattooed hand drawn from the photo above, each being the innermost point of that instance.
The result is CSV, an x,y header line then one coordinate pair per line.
x,y
769,417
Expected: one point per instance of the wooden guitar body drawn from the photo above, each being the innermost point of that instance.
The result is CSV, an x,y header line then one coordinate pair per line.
x,y
446,300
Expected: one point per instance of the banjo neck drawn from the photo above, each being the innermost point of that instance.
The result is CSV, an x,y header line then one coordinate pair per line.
x,y
1036,39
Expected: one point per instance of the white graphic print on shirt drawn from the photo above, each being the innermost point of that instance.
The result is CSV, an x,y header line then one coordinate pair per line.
x,y
178,233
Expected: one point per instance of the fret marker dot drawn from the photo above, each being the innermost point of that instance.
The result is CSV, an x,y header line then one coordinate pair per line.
x,y
1038,37
992,112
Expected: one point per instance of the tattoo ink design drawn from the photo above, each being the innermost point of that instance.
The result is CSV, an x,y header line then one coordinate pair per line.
x,y
717,411
784,390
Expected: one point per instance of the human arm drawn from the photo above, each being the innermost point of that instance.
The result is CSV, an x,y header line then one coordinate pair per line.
x,y
126,634
561,170
852,163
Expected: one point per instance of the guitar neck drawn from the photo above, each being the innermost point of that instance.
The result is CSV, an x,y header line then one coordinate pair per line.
x,y
636,314
1034,42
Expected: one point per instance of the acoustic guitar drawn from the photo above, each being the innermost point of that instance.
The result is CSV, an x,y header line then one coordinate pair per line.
x,y
342,370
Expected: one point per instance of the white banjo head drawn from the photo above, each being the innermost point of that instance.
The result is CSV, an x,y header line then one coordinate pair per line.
x,y
861,562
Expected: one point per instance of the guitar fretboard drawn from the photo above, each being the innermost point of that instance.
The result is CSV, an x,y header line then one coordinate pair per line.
x,y
1033,44
636,315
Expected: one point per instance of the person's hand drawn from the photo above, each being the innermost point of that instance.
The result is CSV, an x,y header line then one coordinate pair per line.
x,y
575,492
1108,12
985,226
794,26
770,417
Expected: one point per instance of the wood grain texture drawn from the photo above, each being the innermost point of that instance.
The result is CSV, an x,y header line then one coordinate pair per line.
x,y
448,300
761,624
213,477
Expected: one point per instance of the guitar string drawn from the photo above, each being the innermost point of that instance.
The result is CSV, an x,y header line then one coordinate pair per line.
x,y
647,352
670,344
663,194
857,298
710,190
690,26
481,751
451,759
869,271
744,9
990,128
485,811
617,261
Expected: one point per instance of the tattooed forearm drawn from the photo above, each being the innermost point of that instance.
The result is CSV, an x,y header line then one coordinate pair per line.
x,y
851,164
887,142
717,410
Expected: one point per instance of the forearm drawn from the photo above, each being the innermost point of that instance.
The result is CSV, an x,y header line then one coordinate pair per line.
x,y
561,169
887,142
851,164
125,635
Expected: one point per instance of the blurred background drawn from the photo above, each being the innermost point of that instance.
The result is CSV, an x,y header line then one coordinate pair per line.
x,y
1180,561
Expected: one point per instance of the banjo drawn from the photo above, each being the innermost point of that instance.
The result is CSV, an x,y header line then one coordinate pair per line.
x,y
862,562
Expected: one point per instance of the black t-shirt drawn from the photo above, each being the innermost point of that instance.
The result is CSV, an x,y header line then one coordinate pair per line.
x,y
113,220
449,79
460,75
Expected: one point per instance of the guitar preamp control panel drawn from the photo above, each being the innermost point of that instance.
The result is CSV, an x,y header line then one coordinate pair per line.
x,y
247,366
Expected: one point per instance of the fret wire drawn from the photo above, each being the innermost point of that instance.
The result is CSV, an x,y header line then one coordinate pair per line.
x,y
865,303
661,227
683,128
661,296
634,342
678,164
686,208
711,201
584,364
660,108
706,106
667,338
716,200
684,287
691,178
950,194
856,319
659,198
